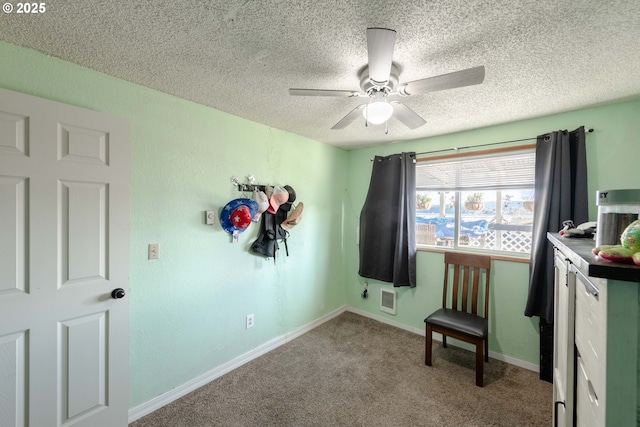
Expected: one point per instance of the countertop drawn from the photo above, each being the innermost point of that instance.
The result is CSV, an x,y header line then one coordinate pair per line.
x,y
592,265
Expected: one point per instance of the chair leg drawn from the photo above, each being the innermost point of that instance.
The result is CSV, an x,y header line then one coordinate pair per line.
x,y
479,365
428,343
486,350
444,341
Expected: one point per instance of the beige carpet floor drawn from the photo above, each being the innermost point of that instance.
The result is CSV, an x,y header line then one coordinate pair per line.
x,y
354,371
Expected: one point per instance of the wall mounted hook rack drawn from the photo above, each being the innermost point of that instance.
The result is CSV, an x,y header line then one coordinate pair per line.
x,y
251,187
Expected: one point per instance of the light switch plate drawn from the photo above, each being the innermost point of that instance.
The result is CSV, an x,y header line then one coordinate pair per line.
x,y
154,250
209,217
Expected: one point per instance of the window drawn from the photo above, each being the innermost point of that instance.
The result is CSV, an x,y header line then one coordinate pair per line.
x,y
482,201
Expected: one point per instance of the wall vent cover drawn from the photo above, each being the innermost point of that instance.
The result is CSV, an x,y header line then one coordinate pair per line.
x,y
388,301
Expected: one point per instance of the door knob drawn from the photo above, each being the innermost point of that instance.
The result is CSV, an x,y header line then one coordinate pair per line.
x,y
117,293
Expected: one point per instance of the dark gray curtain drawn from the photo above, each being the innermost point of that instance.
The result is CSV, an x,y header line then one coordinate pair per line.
x,y
560,194
388,222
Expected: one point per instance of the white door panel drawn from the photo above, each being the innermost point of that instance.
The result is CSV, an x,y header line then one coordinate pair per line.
x,y
83,365
83,231
14,375
64,246
13,209
13,133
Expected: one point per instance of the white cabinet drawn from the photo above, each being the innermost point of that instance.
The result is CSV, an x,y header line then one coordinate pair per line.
x,y
591,343
563,349
596,339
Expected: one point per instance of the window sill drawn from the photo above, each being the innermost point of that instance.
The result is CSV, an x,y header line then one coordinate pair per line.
x,y
494,256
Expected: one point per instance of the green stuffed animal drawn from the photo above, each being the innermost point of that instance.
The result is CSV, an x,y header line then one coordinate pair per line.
x,y
628,251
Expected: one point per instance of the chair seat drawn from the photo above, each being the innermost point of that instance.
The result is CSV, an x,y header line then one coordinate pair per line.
x,y
467,323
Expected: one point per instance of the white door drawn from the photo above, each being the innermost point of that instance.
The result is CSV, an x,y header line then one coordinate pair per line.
x,y
64,247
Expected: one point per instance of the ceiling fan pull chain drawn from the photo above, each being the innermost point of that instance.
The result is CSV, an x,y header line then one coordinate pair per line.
x,y
386,127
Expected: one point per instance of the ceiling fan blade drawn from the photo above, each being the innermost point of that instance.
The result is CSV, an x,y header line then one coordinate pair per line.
x,y
323,92
380,43
406,115
349,118
468,77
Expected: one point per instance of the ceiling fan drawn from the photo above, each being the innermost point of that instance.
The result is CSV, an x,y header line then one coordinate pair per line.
x,y
379,81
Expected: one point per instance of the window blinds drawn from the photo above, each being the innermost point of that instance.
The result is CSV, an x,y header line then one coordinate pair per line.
x,y
511,170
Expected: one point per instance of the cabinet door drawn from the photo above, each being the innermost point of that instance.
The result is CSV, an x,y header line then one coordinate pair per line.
x,y
590,338
589,411
563,349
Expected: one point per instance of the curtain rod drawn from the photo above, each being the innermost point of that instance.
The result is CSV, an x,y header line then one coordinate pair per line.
x,y
589,130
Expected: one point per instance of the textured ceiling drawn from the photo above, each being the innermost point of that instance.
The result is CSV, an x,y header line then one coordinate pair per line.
x,y
242,56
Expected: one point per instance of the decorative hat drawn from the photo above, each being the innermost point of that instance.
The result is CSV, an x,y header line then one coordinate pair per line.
x,y
292,198
263,203
236,216
292,193
280,196
268,190
294,218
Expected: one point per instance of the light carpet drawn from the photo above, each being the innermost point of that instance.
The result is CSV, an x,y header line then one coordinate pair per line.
x,y
355,371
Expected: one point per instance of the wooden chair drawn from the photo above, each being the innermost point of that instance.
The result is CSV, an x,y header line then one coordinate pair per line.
x,y
459,319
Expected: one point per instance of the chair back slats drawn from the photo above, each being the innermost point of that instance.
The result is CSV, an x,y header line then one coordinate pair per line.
x,y
446,281
454,288
466,284
474,295
465,288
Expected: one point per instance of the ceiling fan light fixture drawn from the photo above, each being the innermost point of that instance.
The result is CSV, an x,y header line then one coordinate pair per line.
x,y
379,79
377,112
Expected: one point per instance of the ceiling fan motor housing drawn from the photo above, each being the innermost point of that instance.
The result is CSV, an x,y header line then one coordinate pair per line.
x,y
368,86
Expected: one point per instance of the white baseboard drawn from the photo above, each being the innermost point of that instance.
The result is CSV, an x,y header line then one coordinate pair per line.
x,y
168,397
456,343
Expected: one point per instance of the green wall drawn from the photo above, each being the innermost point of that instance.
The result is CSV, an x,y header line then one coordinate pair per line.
x,y
612,158
188,308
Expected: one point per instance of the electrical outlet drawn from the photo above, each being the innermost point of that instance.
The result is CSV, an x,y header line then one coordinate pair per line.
x,y
154,251
249,321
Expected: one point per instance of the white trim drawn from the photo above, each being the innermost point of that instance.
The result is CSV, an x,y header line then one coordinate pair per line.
x,y
456,343
384,320
168,397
